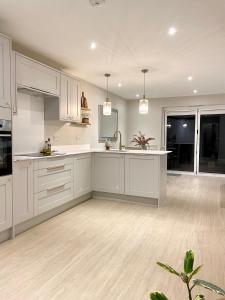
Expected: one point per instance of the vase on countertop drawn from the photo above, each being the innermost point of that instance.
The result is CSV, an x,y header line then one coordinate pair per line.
x,y
143,147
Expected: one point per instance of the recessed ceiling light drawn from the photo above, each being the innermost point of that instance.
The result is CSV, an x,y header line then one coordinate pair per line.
x,y
137,95
119,84
97,3
172,31
190,78
93,46
195,91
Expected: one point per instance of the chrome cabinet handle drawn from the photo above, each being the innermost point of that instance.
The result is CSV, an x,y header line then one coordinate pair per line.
x,y
56,168
56,189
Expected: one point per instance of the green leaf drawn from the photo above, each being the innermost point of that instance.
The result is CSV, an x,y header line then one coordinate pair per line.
x,y
184,277
168,268
209,286
195,272
188,262
200,297
158,296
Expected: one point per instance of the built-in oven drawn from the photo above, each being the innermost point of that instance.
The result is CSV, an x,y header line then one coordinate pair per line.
x,y
5,146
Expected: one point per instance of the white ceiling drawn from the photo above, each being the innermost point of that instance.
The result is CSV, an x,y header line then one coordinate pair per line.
x,y
130,34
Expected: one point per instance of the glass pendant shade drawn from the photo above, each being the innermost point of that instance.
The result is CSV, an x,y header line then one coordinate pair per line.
x,y
143,106
107,108
143,103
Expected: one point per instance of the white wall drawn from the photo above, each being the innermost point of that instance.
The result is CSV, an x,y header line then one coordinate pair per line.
x,y
62,133
151,124
30,129
28,124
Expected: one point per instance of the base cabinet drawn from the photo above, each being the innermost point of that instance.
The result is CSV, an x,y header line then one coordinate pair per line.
x,y
53,183
141,177
108,173
23,204
82,175
5,202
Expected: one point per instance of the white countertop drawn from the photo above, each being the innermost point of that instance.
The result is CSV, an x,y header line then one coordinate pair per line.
x,y
83,151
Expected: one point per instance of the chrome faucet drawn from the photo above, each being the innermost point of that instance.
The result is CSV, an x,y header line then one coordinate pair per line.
x,y
116,135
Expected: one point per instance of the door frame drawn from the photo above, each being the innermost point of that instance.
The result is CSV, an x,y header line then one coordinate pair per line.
x,y
182,111
213,110
197,111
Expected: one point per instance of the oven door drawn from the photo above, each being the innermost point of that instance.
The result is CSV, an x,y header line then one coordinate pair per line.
x,y
5,153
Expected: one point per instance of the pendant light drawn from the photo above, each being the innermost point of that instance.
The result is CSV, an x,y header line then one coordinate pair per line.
x,y
107,106
143,103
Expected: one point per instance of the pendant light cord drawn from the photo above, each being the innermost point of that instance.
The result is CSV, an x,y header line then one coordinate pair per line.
x,y
107,87
144,87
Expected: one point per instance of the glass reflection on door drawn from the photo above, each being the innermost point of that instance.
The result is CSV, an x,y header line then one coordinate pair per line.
x,y
181,141
212,144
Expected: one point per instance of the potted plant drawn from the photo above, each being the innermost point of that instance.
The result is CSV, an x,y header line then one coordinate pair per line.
x,y
186,277
141,141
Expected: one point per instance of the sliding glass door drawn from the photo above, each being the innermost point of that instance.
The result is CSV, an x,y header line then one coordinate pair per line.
x,y
211,148
181,141
196,139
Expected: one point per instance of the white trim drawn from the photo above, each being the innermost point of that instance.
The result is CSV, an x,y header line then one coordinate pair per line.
x,y
180,173
211,174
183,112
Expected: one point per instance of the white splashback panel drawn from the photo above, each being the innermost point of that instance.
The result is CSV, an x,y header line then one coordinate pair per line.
x,y
28,124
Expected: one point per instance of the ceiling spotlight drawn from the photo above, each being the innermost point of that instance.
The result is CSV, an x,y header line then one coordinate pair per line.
x,y
185,125
195,91
93,46
97,3
119,84
190,78
137,95
172,31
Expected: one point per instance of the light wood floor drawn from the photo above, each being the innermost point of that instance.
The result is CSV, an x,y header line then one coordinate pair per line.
x,y
107,250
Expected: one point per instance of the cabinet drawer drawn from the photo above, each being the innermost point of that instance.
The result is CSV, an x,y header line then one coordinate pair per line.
x,y
52,197
53,164
32,74
51,177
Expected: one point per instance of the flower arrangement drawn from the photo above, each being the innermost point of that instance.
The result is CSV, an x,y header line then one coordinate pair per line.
x,y
141,141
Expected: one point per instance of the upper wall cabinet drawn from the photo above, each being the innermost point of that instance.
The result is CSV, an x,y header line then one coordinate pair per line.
x,y
70,99
5,48
34,75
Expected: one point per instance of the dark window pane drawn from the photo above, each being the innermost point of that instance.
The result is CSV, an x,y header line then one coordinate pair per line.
x,y
181,141
212,144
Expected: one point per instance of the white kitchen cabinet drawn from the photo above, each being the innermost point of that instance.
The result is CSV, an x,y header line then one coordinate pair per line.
x,y
108,173
53,183
23,200
13,83
69,104
5,49
145,176
5,202
141,177
34,75
82,175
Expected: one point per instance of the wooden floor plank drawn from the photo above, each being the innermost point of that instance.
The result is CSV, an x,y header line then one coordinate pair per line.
x,y
108,250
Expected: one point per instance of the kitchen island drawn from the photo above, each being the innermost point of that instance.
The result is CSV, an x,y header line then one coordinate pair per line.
x,y
133,175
